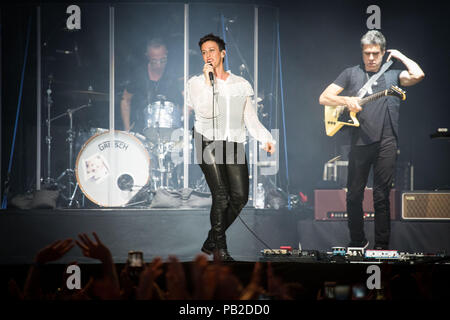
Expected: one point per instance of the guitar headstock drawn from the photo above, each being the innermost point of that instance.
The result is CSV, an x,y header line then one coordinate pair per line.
x,y
396,92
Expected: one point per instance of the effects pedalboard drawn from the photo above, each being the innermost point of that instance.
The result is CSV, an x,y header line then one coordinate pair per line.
x,y
348,254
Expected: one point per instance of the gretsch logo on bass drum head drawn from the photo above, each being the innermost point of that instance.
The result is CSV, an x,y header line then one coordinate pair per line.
x,y
117,145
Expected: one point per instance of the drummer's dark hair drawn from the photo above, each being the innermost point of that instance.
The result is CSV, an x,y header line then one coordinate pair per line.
x,y
156,43
212,37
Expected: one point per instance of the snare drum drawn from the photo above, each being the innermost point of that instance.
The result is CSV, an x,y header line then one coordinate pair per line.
x,y
112,167
161,118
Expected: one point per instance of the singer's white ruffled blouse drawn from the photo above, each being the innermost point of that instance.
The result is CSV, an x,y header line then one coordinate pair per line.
x,y
233,109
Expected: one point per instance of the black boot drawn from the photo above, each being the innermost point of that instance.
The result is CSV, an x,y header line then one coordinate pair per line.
x,y
218,223
223,255
209,245
221,251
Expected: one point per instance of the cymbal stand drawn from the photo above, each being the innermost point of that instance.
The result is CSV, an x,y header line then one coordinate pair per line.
x,y
69,172
73,196
161,156
162,173
48,139
160,146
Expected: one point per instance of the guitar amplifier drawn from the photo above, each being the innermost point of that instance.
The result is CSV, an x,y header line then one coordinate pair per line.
x,y
336,171
332,205
423,205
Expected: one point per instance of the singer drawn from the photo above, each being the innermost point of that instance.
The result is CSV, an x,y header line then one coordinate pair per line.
x,y
223,110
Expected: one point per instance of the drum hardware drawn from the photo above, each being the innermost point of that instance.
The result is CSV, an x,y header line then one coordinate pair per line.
x,y
89,94
70,188
161,117
144,197
163,175
201,185
69,172
49,181
48,139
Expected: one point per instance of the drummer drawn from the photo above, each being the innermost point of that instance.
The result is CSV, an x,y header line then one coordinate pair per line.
x,y
150,82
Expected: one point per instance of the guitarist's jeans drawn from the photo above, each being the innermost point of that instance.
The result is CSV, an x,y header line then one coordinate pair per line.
x,y
382,156
226,172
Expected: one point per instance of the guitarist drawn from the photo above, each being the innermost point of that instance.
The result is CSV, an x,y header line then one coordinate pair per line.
x,y
374,142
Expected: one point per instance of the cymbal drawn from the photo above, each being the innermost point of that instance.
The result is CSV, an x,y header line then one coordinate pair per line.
x,y
88,94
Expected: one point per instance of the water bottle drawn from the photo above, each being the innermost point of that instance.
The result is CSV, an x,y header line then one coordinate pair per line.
x,y
260,197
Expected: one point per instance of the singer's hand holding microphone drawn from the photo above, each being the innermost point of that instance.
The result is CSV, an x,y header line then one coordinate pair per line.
x,y
269,147
208,71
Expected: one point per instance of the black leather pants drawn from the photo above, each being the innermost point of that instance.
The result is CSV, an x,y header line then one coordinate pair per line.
x,y
226,171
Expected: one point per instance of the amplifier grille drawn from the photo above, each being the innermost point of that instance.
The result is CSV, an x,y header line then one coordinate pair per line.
x,y
425,205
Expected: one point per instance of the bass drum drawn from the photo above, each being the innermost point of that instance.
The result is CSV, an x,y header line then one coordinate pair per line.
x,y
112,167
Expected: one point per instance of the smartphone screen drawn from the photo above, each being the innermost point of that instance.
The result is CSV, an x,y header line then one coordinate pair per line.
x,y
358,291
135,259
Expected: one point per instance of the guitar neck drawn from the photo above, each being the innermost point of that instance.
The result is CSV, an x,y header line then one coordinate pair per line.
x,y
373,97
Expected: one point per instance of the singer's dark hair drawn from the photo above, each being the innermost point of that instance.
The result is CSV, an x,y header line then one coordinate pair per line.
x,y
212,37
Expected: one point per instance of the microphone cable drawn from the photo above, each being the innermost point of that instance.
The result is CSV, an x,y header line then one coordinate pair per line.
x,y
255,235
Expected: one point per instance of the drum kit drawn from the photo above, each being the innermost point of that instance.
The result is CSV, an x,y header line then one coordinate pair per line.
x,y
111,167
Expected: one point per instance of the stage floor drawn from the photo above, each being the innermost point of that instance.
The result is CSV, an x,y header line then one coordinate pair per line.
x,y
182,232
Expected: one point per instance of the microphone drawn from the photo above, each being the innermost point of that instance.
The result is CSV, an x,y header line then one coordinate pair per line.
x,y
211,75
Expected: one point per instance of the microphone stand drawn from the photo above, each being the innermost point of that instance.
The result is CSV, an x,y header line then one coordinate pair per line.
x,y
239,53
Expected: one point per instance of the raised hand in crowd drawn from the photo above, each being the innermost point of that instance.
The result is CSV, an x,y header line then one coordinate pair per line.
x,y
127,285
52,252
93,250
147,288
214,280
201,290
97,250
229,286
176,280
208,276
254,288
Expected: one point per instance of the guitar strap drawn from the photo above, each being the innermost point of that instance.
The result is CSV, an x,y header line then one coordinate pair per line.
x,y
368,86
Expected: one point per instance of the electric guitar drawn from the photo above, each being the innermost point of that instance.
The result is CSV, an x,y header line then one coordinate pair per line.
x,y
339,116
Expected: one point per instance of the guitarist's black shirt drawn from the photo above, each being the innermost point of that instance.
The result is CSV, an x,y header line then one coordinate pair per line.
x,y
378,118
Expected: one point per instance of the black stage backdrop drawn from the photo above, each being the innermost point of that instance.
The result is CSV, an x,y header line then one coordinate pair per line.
x,y
318,40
